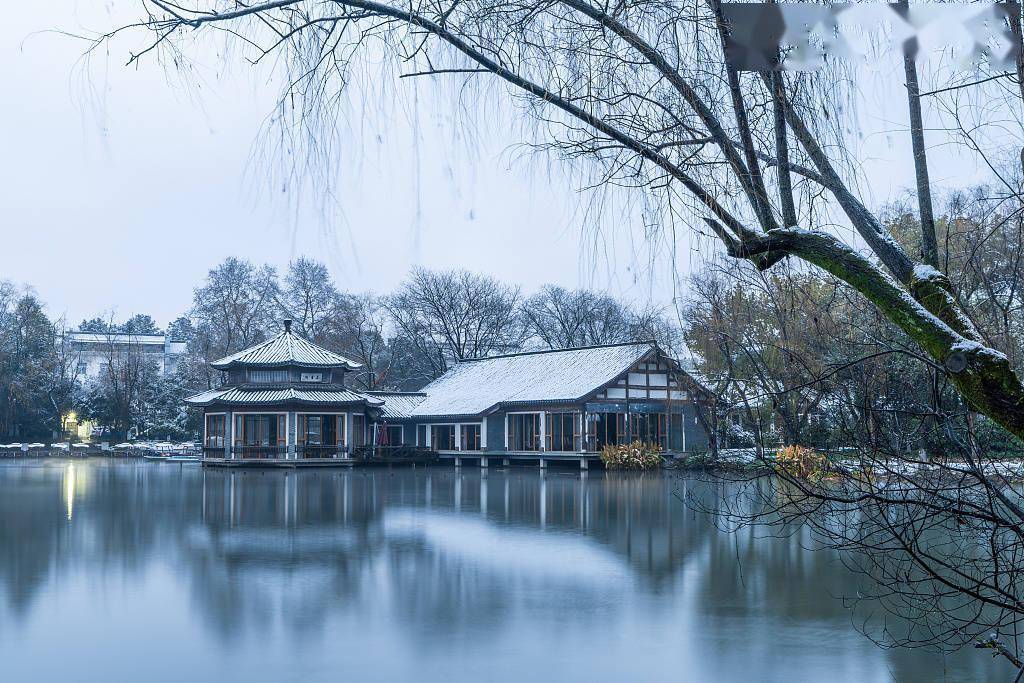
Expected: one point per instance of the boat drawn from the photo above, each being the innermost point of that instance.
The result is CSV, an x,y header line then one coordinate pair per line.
x,y
182,457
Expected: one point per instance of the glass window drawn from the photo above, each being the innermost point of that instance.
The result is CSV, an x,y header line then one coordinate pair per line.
x,y
608,429
471,437
319,430
442,437
215,427
268,375
648,427
260,430
392,435
676,432
524,432
562,434
358,430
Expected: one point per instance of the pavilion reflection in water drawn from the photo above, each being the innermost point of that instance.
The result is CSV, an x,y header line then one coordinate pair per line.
x,y
636,517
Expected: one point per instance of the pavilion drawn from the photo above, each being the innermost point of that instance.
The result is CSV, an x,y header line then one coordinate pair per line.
x,y
284,400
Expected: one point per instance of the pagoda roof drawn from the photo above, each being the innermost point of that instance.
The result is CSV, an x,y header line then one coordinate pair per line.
x,y
264,397
286,349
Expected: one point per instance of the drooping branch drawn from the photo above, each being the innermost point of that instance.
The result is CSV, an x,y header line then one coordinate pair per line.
x,y
758,197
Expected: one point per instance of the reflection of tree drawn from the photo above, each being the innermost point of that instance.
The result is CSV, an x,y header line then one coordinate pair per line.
x,y
435,555
118,513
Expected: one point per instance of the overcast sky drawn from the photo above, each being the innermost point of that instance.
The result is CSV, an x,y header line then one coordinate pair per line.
x,y
120,189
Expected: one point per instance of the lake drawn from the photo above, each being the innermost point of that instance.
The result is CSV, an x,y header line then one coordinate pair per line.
x,y
130,570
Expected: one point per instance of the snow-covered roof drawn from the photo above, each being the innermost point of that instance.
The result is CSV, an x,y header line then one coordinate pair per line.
x,y
473,387
241,396
398,404
115,338
283,350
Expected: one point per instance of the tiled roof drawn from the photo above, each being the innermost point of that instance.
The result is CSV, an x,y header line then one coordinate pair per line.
x,y
475,386
398,404
240,396
286,349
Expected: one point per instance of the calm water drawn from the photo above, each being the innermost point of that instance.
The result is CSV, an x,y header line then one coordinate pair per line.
x,y
140,571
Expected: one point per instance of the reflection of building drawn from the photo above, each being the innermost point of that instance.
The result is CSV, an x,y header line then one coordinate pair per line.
x,y
285,399
95,350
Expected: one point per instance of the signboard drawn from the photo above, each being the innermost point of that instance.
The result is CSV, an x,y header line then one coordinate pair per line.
x,y
312,377
623,407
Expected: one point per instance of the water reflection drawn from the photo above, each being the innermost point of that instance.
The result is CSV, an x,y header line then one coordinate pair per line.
x,y
433,573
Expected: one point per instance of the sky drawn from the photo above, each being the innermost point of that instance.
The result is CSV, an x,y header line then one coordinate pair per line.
x,y
122,186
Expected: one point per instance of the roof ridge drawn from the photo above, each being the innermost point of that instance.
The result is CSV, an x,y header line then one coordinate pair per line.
x,y
650,342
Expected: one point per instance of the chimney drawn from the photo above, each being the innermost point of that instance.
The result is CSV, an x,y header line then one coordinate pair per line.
x,y
288,325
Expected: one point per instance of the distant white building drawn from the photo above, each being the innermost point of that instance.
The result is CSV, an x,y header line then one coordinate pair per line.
x,y
94,350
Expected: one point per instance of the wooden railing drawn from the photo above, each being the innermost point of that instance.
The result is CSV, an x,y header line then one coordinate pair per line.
x,y
259,452
306,452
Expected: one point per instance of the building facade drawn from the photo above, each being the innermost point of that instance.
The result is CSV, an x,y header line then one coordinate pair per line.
x,y
286,400
555,404
95,350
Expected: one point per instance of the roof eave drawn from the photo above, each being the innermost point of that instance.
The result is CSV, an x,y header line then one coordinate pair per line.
x,y
219,365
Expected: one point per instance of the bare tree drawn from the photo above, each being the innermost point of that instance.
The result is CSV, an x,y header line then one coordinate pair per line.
x,y
364,324
561,318
310,297
234,308
116,398
62,377
453,315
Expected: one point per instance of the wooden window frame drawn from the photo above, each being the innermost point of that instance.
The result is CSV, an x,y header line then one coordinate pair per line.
x,y
470,444
340,427
511,431
223,431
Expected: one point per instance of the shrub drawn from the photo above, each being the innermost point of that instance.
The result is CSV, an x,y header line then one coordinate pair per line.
x,y
635,456
801,462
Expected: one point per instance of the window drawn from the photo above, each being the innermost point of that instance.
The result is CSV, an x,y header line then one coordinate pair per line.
x,y
215,428
471,437
260,430
392,435
268,375
676,426
524,432
608,429
358,430
562,434
442,437
648,427
320,430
